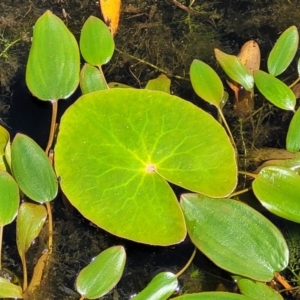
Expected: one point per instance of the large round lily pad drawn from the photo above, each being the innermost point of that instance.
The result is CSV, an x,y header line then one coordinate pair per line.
x,y
116,149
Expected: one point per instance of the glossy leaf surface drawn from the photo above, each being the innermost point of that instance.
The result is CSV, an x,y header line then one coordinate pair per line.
x,y
161,287
92,79
256,290
235,70
128,143
275,90
212,296
283,51
96,42
102,274
293,135
235,243
9,198
32,169
30,220
52,70
9,290
206,82
278,190
161,83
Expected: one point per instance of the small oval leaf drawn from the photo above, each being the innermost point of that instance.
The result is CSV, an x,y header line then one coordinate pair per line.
x,y
275,90
30,220
278,190
206,82
32,169
161,287
293,134
53,65
92,79
283,51
96,42
161,83
235,244
235,70
9,198
102,274
4,140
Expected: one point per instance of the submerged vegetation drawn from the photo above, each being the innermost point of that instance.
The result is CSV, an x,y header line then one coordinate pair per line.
x,y
142,53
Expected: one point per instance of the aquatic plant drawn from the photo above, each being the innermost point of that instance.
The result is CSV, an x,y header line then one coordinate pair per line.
x,y
117,149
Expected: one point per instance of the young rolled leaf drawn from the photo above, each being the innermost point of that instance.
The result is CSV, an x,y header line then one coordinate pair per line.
x,y
32,170
293,134
256,290
235,243
161,83
30,220
102,274
283,51
212,296
128,144
206,83
53,65
235,70
96,42
161,287
278,190
9,198
275,90
92,79
9,290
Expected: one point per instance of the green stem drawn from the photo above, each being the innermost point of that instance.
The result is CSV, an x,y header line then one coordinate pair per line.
x,y
52,126
187,264
151,65
8,46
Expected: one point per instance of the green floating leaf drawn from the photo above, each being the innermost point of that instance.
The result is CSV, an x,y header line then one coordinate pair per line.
x,y
235,69
128,143
161,287
9,290
161,83
246,243
283,51
4,140
92,79
278,190
275,90
96,42
9,198
206,83
293,135
298,67
102,274
212,296
30,220
32,170
53,65
256,290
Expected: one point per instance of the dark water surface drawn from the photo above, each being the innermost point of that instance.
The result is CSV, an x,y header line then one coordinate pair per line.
x,y
159,33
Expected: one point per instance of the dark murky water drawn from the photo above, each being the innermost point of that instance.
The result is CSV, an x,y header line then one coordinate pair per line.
x,y
158,33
